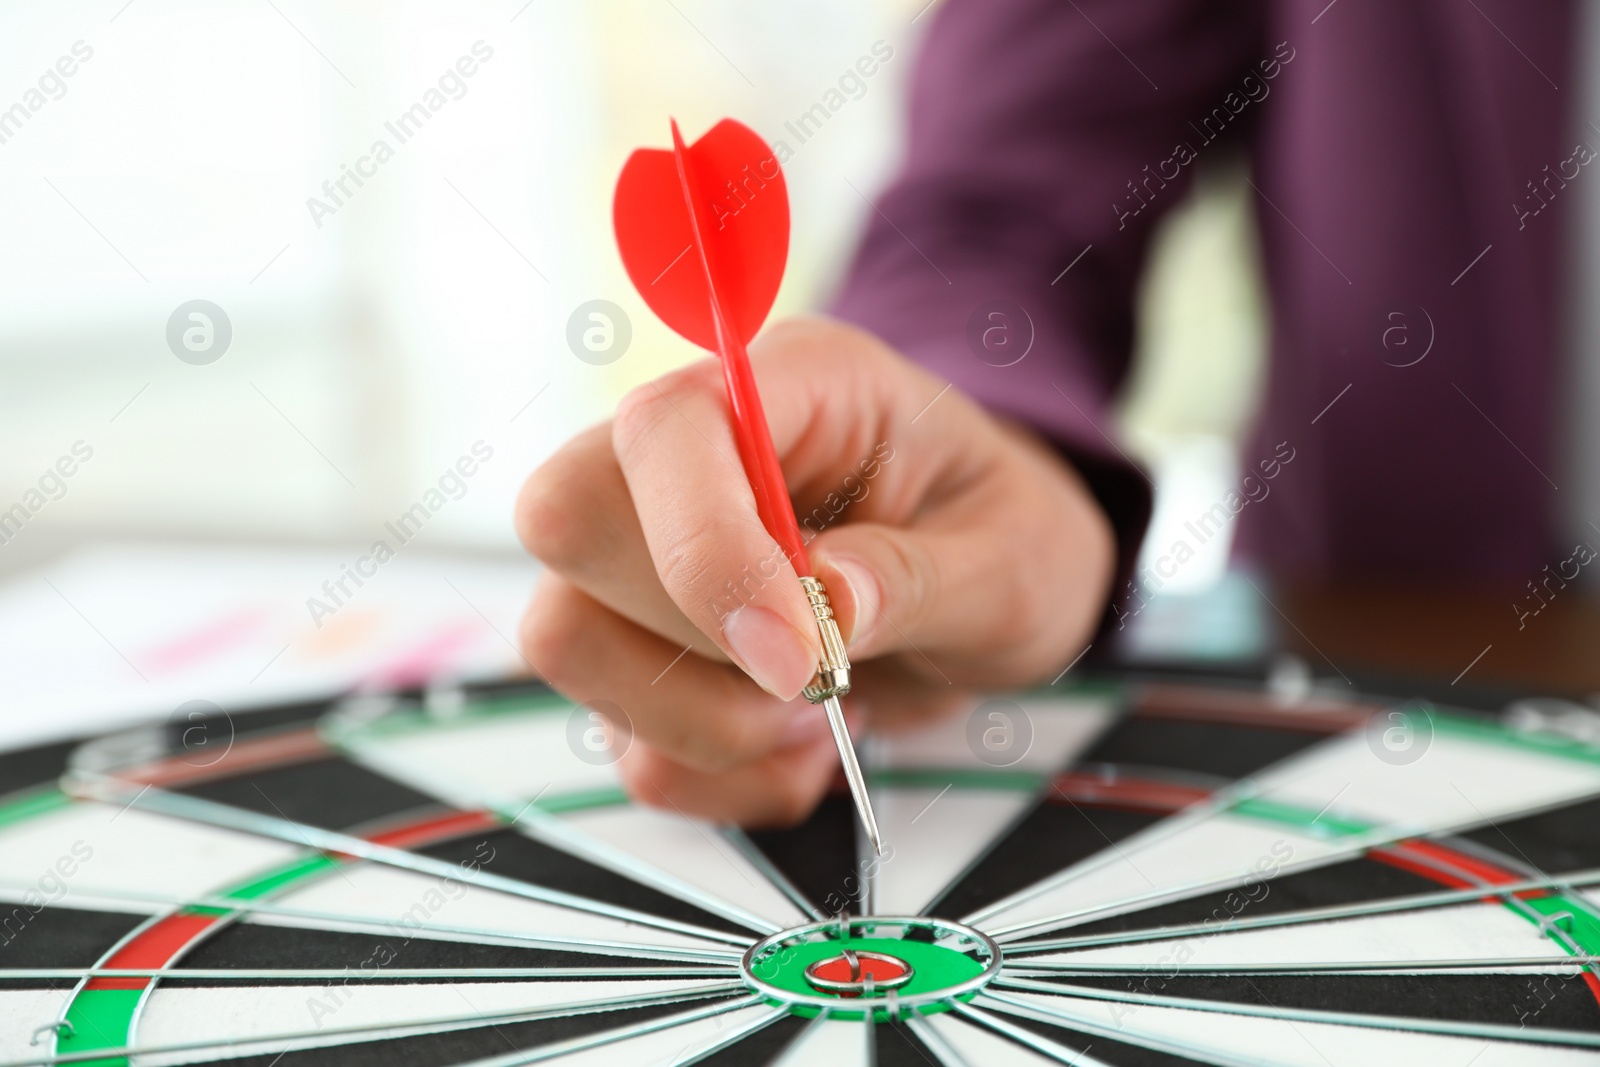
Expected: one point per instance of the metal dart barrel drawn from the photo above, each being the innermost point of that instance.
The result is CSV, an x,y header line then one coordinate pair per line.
x,y
832,681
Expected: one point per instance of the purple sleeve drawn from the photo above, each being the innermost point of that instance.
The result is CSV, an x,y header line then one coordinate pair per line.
x,y
1039,134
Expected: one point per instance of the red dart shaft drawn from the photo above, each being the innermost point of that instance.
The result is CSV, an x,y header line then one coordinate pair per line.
x,y
750,429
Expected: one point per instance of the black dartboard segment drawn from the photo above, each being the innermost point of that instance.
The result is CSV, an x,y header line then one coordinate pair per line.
x,y
819,856
329,792
248,947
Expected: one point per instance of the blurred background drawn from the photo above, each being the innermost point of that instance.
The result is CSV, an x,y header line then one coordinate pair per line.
x,y
358,341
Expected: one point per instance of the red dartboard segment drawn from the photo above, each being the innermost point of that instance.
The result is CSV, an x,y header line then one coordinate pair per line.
x,y
1445,865
274,750
1125,791
838,969
164,941
153,949
430,831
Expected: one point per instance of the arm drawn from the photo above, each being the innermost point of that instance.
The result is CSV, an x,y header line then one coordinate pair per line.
x,y
1040,139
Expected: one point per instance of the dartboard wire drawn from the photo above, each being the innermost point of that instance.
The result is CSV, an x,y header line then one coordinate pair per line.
x,y
618,1035
738,1033
1183,891
549,830
333,920
765,867
385,976
787,1054
211,813
525,817
976,1015
946,1053
869,1020
1410,1024
1046,784
1570,965
79,1009
1550,924
139,929
1389,905
1355,845
136,1016
411,1027
1248,788
1197,812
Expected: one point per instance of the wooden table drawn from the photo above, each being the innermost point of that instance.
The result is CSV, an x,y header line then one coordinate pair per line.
x,y
1448,633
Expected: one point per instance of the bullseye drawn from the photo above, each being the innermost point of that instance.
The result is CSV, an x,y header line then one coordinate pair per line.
x,y
854,974
884,965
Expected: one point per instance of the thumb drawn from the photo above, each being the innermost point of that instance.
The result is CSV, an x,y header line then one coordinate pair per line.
x,y
896,588
965,605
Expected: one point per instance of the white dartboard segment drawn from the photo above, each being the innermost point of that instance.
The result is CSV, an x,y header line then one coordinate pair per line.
x,y
1047,733
943,797
934,835
505,754
22,1013
692,853
127,853
829,1042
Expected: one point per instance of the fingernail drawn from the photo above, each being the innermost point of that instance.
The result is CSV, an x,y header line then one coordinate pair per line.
x,y
865,593
769,650
805,725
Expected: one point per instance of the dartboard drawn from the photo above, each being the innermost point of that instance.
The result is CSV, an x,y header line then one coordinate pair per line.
x,y
1115,870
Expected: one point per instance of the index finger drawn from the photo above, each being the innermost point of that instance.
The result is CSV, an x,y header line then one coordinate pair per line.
x,y
714,558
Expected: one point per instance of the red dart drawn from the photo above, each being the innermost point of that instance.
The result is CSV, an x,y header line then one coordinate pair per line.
x,y
704,234
712,275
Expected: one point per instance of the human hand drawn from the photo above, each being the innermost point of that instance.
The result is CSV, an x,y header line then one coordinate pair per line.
x,y
957,550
